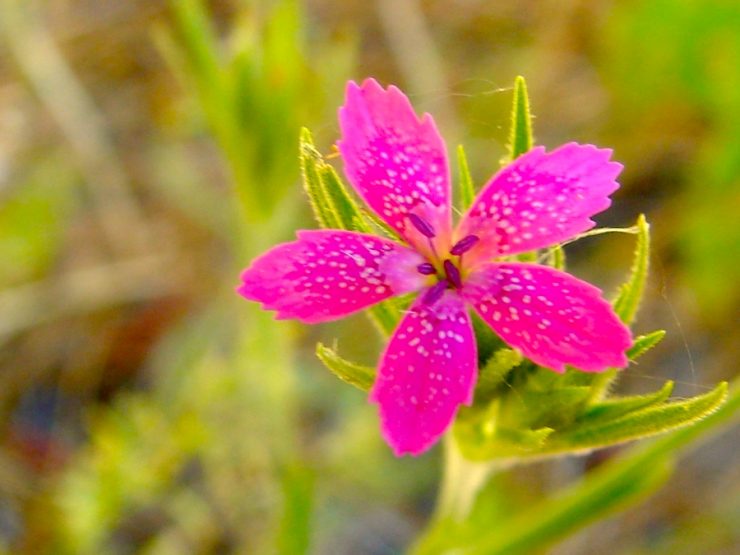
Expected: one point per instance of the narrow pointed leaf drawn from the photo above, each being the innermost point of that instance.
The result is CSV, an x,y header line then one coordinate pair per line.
x,y
311,160
339,199
638,424
372,219
630,293
332,204
556,408
385,316
355,374
557,257
644,343
493,374
520,136
616,407
334,208
615,485
556,517
465,182
524,440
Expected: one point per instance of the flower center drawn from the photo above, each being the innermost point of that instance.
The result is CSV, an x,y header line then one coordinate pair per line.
x,y
448,275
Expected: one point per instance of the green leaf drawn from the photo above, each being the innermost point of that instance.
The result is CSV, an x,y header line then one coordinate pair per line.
x,y
465,182
332,204
630,293
601,494
644,343
385,316
338,198
637,424
311,160
355,374
494,372
334,208
555,408
379,225
557,257
620,482
618,406
520,136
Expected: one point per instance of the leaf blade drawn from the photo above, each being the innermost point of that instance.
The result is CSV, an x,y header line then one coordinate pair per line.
x,y
362,377
520,136
629,295
465,181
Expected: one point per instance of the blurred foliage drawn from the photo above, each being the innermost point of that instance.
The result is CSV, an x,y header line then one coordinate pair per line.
x,y
148,150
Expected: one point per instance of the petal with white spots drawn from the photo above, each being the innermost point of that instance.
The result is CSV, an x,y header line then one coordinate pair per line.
x,y
553,318
325,275
395,160
427,370
540,199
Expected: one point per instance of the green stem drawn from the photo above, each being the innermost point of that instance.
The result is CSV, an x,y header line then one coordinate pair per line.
x,y
462,479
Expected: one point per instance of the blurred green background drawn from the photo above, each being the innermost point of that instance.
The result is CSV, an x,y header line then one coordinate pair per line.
x,y
148,150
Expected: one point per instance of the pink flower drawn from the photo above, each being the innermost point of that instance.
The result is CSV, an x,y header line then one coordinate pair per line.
x,y
398,165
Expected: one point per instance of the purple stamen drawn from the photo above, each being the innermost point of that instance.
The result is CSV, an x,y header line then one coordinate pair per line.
x,y
453,274
422,225
464,245
426,268
434,293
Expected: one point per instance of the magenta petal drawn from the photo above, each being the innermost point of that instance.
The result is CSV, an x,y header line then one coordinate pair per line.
x,y
541,199
396,161
325,275
426,372
553,318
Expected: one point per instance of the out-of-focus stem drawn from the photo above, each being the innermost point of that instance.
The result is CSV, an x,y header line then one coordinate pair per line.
x,y
422,67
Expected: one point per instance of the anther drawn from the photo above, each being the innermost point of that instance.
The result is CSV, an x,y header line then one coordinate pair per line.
x,y
422,225
434,293
426,268
464,245
453,274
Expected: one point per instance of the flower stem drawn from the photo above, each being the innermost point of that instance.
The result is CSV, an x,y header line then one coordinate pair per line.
x,y
462,479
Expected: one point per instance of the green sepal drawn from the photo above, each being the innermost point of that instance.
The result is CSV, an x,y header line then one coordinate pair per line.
x,y
480,437
637,424
465,182
493,373
362,377
643,343
616,407
629,295
520,135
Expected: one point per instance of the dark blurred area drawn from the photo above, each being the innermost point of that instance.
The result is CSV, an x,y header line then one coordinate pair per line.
x,y
129,422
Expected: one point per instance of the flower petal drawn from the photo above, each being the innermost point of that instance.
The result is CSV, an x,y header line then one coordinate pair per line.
x,y
328,274
396,161
540,199
553,318
426,372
